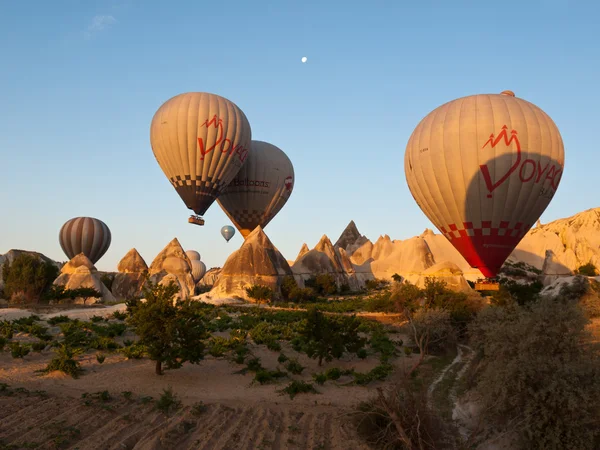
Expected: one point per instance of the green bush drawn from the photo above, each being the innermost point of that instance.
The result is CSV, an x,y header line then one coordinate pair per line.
x,y
287,286
168,401
588,270
299,387
294,366
538,375
264,376
333,374
323,284
302,295
28,276
65,361
376,284
58,319
259,293
18,350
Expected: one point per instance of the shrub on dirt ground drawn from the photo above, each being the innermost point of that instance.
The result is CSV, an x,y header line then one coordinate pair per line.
x,y
327,337
287,286
171,333
65,361
28,277
168,401
376,284
323,284
538,374
259,293
303,295
589,270
401,418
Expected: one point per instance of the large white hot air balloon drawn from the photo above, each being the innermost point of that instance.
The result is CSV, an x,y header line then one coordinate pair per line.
x,y
200,141
85,235
483,168
260,189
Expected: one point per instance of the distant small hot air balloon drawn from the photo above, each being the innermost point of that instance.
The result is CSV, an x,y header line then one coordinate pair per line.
x,y
260,189
227,232
85,235
198,270
193,255
483,169
200,141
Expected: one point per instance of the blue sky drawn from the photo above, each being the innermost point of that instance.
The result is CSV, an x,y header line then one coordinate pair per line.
x,y
81,80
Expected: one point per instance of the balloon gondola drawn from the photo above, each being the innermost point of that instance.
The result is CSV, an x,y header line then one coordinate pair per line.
x,y
483,169
196,220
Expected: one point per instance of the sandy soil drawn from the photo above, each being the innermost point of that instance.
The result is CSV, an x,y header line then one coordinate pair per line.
x,y
240,414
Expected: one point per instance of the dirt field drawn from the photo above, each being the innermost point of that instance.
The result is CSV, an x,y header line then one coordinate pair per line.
x,y
236,413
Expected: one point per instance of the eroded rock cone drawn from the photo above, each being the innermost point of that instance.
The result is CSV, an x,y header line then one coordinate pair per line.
x,y
78,273
172,260
256,262
129,282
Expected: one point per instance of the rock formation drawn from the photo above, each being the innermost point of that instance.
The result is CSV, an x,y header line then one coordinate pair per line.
x,y
78,273
210,277
445,271
128,283
303,251
325,259
256,262
172,260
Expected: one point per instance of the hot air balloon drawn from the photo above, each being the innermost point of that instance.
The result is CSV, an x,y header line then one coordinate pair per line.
x,y
85,235
260,189
193,255
200,141
198,270
227,232
483,169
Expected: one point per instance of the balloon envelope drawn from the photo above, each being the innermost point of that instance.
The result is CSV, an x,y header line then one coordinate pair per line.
x,y
260,189
200,141
85,235
198,270
483,168
193,255
227,232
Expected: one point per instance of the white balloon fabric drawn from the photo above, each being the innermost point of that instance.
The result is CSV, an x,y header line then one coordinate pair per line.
x,y
200,141
193,255
483,169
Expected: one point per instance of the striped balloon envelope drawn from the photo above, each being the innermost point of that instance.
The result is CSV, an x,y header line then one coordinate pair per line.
x,y
483,169
200,142
85,235
198,270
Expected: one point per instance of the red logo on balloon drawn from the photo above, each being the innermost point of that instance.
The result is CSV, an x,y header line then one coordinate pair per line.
x,y
493,141
226,145
288,183
529,170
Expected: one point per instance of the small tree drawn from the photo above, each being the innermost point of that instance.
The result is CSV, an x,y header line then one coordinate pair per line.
x,y
397,278
323,284
287,286
588,270
326,337
172,333
259,293
86,292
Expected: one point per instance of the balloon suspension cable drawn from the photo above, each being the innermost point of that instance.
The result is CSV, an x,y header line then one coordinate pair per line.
x,y
196,220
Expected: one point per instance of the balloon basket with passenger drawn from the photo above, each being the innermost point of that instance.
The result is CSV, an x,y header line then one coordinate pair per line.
x,y
487,284
196,220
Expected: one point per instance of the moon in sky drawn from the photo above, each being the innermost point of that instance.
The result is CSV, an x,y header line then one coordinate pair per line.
x,y
304,58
